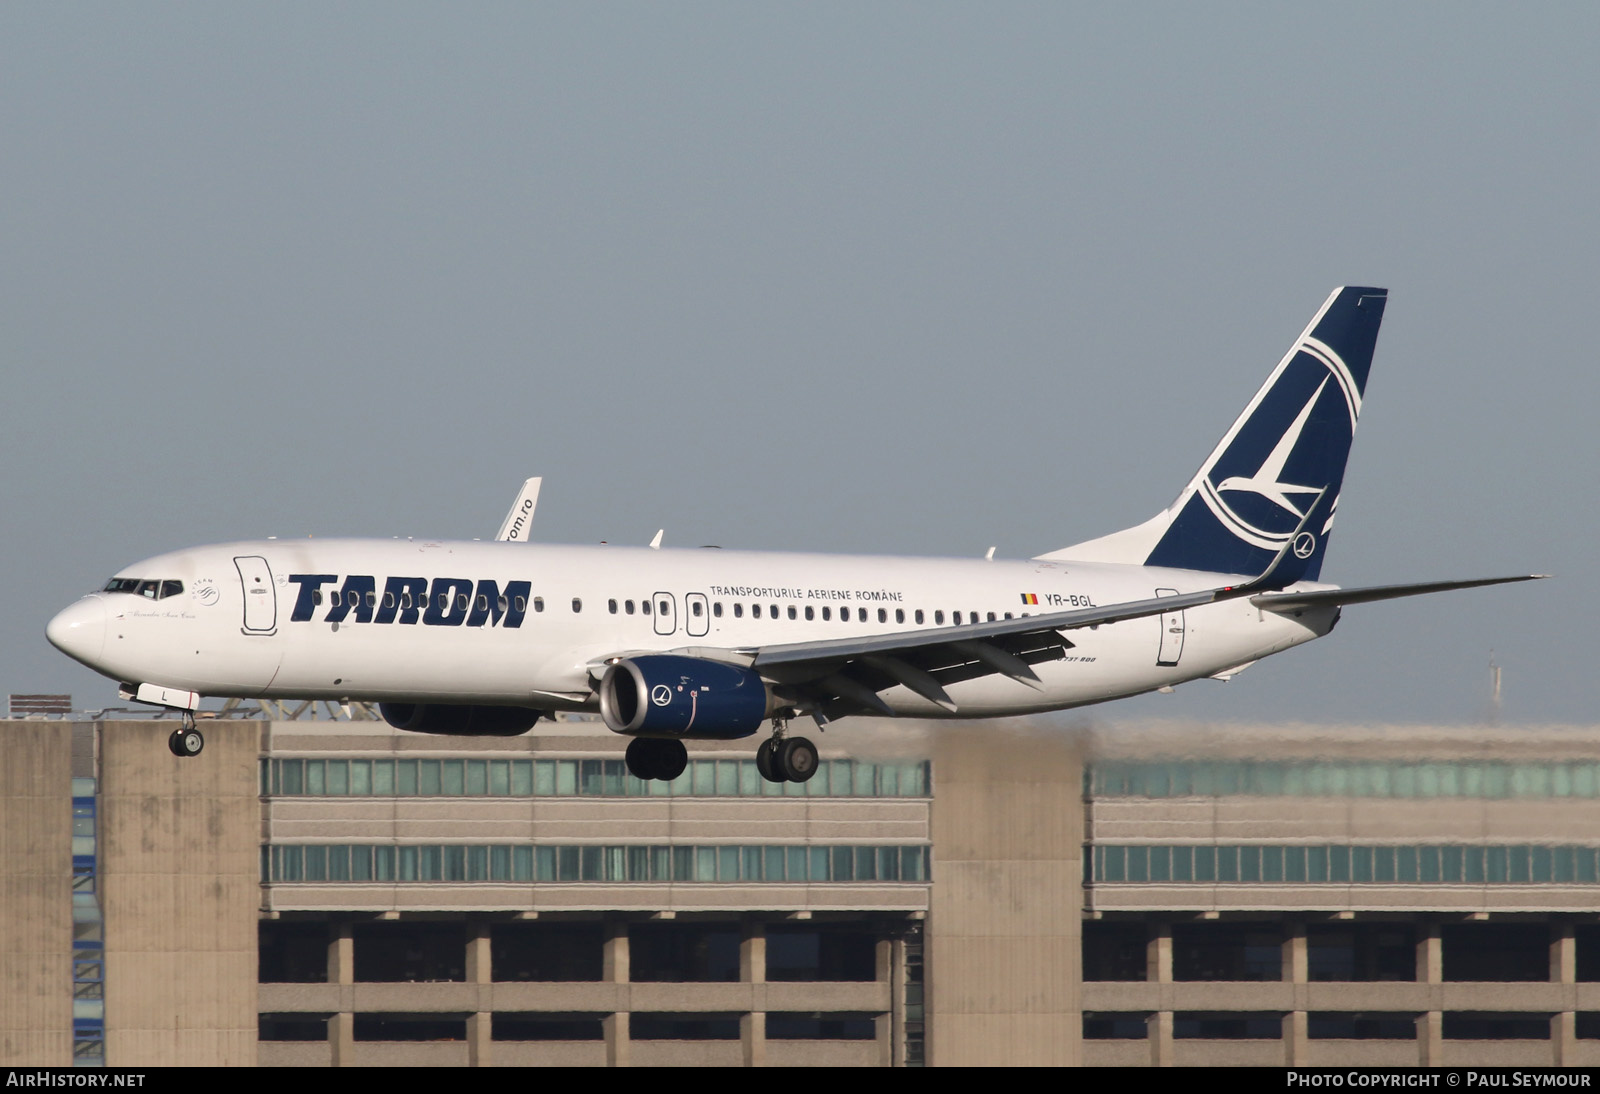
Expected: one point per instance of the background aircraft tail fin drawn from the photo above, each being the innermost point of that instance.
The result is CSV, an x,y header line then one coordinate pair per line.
x,y
1288,447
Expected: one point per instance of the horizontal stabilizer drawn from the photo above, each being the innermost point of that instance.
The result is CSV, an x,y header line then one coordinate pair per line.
x,y
1327,598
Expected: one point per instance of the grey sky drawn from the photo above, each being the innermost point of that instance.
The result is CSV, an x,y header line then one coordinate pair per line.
x,y
886,278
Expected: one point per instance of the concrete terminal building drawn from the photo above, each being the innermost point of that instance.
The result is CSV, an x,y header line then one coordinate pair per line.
x,y
316,893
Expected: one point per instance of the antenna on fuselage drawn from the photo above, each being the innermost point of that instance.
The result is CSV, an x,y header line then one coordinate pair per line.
x,y
655,544
989,557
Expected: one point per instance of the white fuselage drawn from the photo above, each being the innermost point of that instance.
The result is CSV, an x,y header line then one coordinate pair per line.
x,y
259,619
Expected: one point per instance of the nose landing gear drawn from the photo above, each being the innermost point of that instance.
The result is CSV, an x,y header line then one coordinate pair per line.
x,y
186,740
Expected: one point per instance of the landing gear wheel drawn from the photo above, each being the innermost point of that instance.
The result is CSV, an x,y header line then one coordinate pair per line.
x,y
798,759
767,761
671,759
641,758
186,742
656,759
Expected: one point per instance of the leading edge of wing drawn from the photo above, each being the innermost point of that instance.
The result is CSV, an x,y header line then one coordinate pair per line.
x,y
1286,569
1324,598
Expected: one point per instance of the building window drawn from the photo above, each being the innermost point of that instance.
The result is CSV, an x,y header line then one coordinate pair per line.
x,y
547,952
821,1027
1241,1026
409,952
1339,1026
1495,951
1114,951
821,953
513,1026
1226,951
1113,1026
683,1027
1472,1025
683,953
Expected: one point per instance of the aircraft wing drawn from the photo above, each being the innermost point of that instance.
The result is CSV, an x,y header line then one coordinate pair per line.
x,y
1324,598
844,675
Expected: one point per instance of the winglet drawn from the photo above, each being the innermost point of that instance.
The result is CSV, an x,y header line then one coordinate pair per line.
x,y
521,515
1294,557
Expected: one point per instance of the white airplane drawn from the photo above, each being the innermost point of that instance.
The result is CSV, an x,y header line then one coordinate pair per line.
x,y
484,638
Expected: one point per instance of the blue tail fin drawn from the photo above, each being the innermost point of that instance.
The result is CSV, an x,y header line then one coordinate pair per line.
x,y
1289,446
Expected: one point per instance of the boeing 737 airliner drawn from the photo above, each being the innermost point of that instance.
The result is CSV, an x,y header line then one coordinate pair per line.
x,y
675,645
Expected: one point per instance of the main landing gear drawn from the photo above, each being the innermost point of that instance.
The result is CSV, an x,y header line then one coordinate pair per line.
x,y
782,759
186,740
656,758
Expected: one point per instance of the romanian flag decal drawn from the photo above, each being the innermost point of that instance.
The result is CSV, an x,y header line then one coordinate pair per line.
x,y
1030,598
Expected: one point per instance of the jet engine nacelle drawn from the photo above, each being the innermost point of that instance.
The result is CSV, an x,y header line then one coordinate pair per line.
x,y
682,697
459,721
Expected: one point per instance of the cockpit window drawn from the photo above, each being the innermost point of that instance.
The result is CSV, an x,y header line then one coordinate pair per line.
x,y
152,590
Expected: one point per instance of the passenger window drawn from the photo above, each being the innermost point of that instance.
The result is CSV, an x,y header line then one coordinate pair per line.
x,y
738,611
612,605
899,615
991,616
335,599
955,617
483,602
938,617
919,617
577,604
388,601
522,604
861,614
1008,616
372,598
716,609
644,606
792,612
316,598
405,599
755,611
663,608
827,613
627,606
461,602
883,615
811,613
501,604
774,611
538,603
695,609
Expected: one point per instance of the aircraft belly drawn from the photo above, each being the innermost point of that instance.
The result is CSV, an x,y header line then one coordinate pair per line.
x,y
367,662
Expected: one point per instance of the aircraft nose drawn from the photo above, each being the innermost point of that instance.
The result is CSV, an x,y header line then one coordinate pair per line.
x,y
80,630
